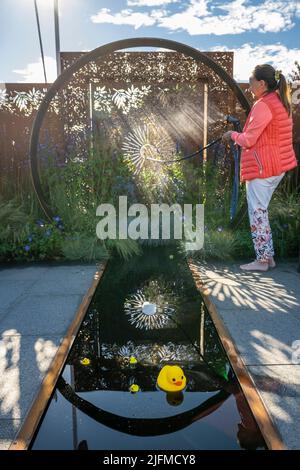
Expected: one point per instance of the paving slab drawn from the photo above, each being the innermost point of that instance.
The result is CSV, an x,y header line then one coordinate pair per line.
x,y
25,361
23,272
37,306
262,314
62,282
261,337
279,387
41,314
11,290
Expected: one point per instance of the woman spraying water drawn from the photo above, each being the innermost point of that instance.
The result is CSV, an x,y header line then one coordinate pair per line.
x,y
267,154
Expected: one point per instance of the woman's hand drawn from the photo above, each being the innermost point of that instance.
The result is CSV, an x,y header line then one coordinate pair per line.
x,y
226,137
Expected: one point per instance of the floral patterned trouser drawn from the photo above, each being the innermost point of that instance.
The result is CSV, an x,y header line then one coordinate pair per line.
x,y
259,192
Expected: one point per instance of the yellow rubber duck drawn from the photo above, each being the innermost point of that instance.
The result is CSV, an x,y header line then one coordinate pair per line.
x,y
132,360
171,379
85,361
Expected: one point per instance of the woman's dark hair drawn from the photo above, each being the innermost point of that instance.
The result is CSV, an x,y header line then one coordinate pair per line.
x,y
275,80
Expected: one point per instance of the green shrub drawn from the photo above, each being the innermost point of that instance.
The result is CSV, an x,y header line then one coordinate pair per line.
x,y
124,248
219,244
83,247
13,220
285,222
40,241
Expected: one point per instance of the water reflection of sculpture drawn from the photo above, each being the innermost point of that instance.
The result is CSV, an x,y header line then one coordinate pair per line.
x,y
152,306
150,353
248,434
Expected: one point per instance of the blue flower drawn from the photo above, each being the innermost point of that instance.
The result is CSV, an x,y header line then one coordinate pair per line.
x,y
29,238
57,218
27,247
48,232
40,223
60,226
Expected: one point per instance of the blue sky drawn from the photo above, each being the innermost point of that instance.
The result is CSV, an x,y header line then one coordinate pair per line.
x,y
257,31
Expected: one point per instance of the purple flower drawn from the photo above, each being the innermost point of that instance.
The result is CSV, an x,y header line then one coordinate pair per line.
x,y
26,247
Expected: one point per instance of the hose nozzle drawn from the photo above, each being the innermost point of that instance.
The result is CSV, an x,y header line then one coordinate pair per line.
x,y
232,120
235,122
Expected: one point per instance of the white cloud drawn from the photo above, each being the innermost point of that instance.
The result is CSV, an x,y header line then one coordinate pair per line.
x,y
191,19
248,56
127,17
33,72
240,16
149,3
199,17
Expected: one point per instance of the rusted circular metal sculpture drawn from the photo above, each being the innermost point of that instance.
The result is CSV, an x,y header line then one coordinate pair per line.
x,y
97,54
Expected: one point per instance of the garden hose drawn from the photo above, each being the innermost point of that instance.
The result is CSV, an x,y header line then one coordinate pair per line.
x,y
187,156
229,120
236,150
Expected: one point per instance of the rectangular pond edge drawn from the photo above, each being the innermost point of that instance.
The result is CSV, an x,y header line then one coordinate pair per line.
x,y
267,427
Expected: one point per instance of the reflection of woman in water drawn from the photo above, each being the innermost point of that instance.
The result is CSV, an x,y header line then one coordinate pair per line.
x,y
248,435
